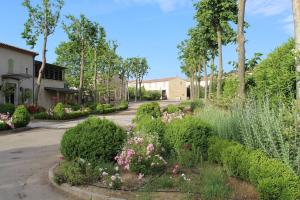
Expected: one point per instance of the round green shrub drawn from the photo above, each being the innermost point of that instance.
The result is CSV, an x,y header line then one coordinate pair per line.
x,y
59,111
7,108
189,133
151,126
99,108
171,109
20,117
151,109
94,140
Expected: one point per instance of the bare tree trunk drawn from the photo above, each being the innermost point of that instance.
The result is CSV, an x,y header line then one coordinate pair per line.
x,y
136,90
206,81
81,77
140,89
192,86
241,48
95,76
220,67
41,71
296,11
211,77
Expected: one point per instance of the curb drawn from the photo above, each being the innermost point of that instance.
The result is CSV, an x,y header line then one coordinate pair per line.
x,y
76,191
16,130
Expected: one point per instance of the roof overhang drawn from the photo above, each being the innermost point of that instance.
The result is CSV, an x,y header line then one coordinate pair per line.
x,y
16,76
61,90
17,49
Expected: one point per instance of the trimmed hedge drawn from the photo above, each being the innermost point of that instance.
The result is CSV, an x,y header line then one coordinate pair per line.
x,y
273,178
151,109
189,133
172,109
94,140
21,117
7,108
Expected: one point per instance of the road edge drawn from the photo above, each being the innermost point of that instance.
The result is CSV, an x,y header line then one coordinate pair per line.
x,y
76,191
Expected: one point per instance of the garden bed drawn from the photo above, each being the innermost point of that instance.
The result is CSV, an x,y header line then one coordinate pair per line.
x,y
202,182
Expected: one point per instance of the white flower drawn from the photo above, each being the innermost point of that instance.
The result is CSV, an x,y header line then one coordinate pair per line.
x,y
113,178
82,160
117,168
104,174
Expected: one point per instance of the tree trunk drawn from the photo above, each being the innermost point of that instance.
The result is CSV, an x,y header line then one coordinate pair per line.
x,y
211,77
296,11
41,70
192,86
107,91
122,88
140,89
220,67
81,76
136,90
241,48
95,76
205,81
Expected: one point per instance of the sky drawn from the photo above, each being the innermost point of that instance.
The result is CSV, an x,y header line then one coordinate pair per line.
x,y
154,28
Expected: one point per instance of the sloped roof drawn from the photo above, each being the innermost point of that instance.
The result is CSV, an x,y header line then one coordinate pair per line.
x,y
157,80
17,49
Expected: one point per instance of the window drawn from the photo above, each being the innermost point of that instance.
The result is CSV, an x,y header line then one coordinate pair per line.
x,y
51,73
26,70
10,69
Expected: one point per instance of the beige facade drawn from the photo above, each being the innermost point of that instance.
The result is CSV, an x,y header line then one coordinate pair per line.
x,y
174,88
18,76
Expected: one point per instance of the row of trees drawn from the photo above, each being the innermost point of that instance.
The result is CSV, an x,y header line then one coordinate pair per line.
x,y
218,23
92,61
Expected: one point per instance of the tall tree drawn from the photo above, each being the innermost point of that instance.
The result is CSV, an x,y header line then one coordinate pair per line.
x,y
296,11
143,70
216,14
241,48
98,51
82,32
42,21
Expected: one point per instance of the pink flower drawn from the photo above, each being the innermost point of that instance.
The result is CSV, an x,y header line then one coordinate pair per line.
x,y
150,149
113,178
127,167
175,169
130,153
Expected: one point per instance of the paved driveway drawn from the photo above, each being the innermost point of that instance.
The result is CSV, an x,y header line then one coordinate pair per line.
x,y
26,157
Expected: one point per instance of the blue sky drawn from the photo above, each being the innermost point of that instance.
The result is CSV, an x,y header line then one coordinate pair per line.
x,y
153,28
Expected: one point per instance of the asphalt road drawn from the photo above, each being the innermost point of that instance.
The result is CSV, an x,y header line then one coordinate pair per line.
x,y
26,157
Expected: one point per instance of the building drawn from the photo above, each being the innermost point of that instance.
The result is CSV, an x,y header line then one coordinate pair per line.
x,y
18,76
173,88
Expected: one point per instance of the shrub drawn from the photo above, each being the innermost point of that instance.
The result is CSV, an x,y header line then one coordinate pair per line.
x,y
7,108
189,133
20,117
152,95
150,125
171,109
99,108
3,126
141,155
41,115
273,178
32,109
151,109
93,140
123,105
74,107
59,111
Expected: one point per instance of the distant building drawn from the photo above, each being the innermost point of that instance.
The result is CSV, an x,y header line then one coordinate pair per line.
x,y
172,88
18,76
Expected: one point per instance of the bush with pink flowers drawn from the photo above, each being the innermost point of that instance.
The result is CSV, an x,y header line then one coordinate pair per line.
x,y
142,155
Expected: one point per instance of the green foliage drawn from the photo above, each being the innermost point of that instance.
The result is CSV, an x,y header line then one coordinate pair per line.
x,y
123,105
59,111
189,133
100,108
151,109
149,125
151,95
226,124
3,126
230,87
7,108
275,76
273,178
41,115
171,109
94,140
21,117
214,184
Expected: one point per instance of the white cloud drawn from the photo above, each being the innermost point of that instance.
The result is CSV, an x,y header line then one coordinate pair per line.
x,y
165,5
268,7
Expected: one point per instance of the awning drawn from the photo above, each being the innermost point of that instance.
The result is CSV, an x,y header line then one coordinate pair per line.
x,y
16,76
61,90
